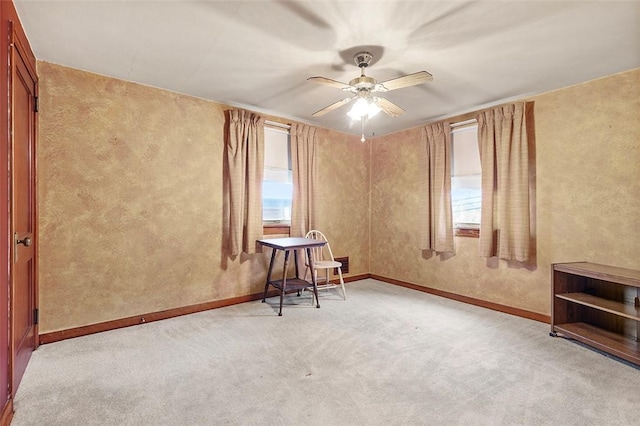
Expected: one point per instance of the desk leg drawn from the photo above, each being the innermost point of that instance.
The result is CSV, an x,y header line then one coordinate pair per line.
x,y
295,262
266,285
313,277
284,280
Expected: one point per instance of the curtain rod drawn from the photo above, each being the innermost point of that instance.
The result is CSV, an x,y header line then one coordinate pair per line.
x,y
276,124
463,123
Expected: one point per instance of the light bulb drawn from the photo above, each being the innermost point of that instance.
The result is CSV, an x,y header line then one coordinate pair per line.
x,y
364,107
359,109
373,109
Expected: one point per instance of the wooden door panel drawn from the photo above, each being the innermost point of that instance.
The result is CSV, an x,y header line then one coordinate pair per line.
x,y
23,301
23,319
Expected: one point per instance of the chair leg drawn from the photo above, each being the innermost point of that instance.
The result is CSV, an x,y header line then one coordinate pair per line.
x,y
306,270
344,293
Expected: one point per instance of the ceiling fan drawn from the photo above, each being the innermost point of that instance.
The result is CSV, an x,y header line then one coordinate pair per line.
x,y
364,91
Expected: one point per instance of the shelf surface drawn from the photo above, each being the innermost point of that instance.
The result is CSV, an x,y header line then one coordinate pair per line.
x,y
616,344
613,274
292,284
613,307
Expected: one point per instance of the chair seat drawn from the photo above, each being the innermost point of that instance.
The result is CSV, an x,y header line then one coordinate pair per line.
x,y
321,264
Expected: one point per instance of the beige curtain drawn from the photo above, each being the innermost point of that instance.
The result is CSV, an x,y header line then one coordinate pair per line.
x,y
504,157
303,164
437,229
245,167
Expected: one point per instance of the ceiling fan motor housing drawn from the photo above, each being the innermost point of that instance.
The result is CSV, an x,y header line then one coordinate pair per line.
x,y
363,83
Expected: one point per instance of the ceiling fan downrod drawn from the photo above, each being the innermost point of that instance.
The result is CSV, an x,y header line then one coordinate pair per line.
x,y
362,60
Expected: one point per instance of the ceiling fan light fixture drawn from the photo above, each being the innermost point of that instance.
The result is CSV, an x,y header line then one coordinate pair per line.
x,y
364,107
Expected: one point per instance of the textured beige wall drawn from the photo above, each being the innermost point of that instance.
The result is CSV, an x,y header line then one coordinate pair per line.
x,y
130,201
130,198
343,174
587,198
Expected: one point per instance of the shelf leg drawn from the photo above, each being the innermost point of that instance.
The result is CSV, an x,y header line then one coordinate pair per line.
x,y
636,303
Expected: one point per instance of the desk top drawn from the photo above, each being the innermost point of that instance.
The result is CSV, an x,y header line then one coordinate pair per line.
x,y
291,243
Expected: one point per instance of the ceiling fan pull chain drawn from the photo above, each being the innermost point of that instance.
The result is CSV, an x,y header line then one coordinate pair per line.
x,y
362,121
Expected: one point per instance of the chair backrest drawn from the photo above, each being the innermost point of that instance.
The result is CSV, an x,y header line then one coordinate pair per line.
x,y
320,253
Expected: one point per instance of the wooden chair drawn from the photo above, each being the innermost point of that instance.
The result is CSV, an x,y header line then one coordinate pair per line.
x,y
323,260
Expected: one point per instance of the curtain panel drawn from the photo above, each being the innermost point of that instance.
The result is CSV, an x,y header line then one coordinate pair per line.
x,y
304,171
245,168
504,157
437,225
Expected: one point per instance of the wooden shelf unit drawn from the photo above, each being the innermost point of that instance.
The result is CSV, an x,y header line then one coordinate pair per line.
x,y
598,305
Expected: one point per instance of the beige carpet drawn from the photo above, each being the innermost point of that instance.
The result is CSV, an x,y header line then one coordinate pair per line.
x,y
386,356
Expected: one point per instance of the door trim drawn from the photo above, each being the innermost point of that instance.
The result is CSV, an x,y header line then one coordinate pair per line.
x,y
7,413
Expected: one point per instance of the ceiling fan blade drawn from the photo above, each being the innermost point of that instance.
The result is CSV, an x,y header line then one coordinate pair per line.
x,y
404,81
389,107
333,106
330,82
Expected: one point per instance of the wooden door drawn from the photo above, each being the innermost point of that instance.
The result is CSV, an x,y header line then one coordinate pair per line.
x,y
23,209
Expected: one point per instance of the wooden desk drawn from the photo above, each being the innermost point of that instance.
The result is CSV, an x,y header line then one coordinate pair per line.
x,y
286,245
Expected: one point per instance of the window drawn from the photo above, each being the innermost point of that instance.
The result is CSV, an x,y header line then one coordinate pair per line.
x,y
277,184
466,179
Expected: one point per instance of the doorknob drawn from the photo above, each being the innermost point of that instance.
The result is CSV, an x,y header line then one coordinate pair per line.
x,y
26,242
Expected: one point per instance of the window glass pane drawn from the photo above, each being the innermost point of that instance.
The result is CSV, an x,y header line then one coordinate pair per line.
x,y
277,187
466,178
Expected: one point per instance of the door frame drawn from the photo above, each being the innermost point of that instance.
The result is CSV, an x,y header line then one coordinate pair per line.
x,y
6,399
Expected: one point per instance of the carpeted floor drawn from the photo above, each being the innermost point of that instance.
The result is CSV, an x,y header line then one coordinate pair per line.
x,y
386,356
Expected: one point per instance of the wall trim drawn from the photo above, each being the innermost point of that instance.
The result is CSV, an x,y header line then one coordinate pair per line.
x,y
351,278
86,330
7,413
470,300
56,336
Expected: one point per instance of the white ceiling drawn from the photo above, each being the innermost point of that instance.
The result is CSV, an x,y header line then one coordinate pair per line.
x,y
258,54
